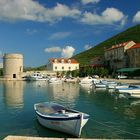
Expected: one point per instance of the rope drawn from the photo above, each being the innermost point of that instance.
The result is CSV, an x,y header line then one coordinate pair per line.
x,y
116,128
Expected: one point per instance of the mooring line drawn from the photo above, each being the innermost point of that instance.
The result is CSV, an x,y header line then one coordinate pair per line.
x,y
116,128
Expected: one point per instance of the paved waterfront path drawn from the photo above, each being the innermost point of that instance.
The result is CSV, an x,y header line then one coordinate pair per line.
x,y
124,81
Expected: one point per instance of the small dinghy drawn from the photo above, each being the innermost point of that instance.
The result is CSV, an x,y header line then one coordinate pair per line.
x,y
60,118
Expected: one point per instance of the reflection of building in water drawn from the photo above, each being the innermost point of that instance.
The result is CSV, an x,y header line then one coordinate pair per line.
x,y
13,93
66,92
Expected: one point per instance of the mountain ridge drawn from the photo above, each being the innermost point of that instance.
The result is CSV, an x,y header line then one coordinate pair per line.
x,y
132,33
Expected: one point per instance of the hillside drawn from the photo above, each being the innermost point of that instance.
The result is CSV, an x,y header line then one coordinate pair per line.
x,y
132,33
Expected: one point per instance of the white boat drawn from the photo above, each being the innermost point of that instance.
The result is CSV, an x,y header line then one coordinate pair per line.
x,y
120,86
107,82
131,91
111,86
35,77
86,80
70,80
55,80
57,117
100,85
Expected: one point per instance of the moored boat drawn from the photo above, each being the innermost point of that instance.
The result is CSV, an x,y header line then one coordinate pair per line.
x,y
55,80
86,80
60,118
130,92
35,77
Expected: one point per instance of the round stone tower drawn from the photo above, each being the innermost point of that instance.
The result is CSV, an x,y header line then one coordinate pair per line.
x,y
13,66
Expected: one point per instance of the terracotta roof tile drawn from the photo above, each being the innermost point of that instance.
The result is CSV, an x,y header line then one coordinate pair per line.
x,y
135,46
118,46
65,60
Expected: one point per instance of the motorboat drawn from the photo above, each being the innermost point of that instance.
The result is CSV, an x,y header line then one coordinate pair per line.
x,y
86,80
35,77
107,82
111,86
60,118
130,92
55,80
120,86
100,85
70,80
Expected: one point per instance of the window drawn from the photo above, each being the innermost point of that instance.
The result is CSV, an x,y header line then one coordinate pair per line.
x,y
69,68
62,68
56,68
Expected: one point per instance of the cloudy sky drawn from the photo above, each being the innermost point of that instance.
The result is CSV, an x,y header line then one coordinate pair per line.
x,y
42,29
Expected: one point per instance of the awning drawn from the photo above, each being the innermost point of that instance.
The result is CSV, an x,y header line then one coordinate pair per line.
x,y
128,69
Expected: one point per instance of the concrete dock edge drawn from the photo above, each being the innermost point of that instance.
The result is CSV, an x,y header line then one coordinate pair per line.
x,y
41,138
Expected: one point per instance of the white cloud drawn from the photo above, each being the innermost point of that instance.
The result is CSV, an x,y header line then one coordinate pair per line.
x,y
87,47
13,10
59,35
67,52
53,49
109,16
136,18
89,1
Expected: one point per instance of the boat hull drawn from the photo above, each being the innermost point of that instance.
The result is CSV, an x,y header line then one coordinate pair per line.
x,y
71,126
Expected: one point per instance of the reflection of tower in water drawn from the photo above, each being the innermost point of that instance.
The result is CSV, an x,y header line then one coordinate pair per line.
x,y
13,94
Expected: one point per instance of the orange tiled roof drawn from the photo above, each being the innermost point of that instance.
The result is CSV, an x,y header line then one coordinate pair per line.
x,y
66,60
118,46
135,46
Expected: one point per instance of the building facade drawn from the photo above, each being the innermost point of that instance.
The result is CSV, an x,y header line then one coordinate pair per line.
x,y
116,57
97,62
134,56
62,64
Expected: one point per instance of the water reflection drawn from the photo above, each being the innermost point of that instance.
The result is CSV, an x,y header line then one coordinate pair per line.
x,y
87,87
65,93
13,93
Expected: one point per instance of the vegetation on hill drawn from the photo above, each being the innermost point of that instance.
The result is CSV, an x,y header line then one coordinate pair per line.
x,y
40,68
132,33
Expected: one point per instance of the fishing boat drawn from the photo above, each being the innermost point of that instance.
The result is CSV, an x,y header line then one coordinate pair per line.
x,y
60,118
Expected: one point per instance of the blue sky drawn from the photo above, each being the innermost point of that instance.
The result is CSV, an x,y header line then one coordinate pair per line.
x,y
42,29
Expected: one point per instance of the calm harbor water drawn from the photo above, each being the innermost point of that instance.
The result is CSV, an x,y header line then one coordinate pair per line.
x,y
111,116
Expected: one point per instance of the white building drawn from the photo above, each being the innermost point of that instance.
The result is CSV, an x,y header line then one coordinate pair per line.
x,y
62,64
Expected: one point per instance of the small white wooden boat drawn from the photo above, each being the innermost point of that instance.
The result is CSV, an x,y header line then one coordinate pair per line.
x,y
57,117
